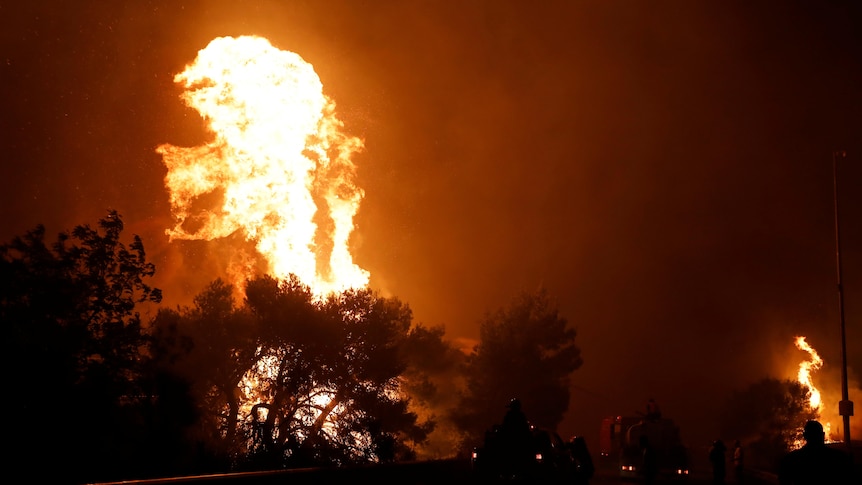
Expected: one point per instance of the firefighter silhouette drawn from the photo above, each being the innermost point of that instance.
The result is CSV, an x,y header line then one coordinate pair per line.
x,y
652,411
517,438
583,468
815,462
649,460
718,460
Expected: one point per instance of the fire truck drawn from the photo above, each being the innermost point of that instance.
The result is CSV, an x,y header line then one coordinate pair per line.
x,y
619,443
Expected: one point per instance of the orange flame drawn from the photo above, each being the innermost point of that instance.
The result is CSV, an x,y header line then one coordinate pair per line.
x,y
804,378
805,368
278,154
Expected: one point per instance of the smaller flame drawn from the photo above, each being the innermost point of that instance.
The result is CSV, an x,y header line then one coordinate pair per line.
x,y
806,367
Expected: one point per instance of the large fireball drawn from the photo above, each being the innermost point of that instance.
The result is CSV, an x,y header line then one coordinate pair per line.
x,y
279,166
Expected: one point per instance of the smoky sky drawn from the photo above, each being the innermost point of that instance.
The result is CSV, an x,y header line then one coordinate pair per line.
x,y
664,169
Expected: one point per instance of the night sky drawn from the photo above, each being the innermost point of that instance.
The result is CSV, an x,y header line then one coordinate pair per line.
x,y
663,168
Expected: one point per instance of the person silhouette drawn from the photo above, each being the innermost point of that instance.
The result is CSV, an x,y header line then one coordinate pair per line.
x,y
583,468
515,422
816,463
652,411
738,462
517,436
717,457
649,461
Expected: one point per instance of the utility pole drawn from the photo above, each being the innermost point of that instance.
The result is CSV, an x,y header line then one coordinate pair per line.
x,y
845,406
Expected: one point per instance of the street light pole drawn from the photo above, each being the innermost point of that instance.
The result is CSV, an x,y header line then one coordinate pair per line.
x,y
845,406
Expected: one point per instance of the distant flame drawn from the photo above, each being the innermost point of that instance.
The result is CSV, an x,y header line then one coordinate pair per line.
x,y
278,155
805,368
804,377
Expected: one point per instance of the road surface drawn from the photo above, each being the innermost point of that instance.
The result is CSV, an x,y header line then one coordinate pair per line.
x,y
446,472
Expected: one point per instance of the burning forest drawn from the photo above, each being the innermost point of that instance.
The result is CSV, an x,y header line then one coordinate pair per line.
x,y
581,206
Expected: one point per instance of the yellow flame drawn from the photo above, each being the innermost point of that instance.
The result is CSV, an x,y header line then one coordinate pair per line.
x,y
805,368
804,377
278,155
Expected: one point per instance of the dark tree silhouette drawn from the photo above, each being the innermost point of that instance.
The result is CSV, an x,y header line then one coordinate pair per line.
x,y
209,346
332,390
287,380
768,416
73,338
528,351
434,372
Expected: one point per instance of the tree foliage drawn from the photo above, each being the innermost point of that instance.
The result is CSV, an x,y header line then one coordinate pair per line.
x,y
209,346
292,381
431,379
280,378
74,339
526,350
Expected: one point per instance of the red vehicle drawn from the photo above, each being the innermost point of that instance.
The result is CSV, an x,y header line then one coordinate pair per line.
x,y
611,435
619,444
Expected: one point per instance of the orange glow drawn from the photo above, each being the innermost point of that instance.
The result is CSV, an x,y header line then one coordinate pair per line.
x,y
279,165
